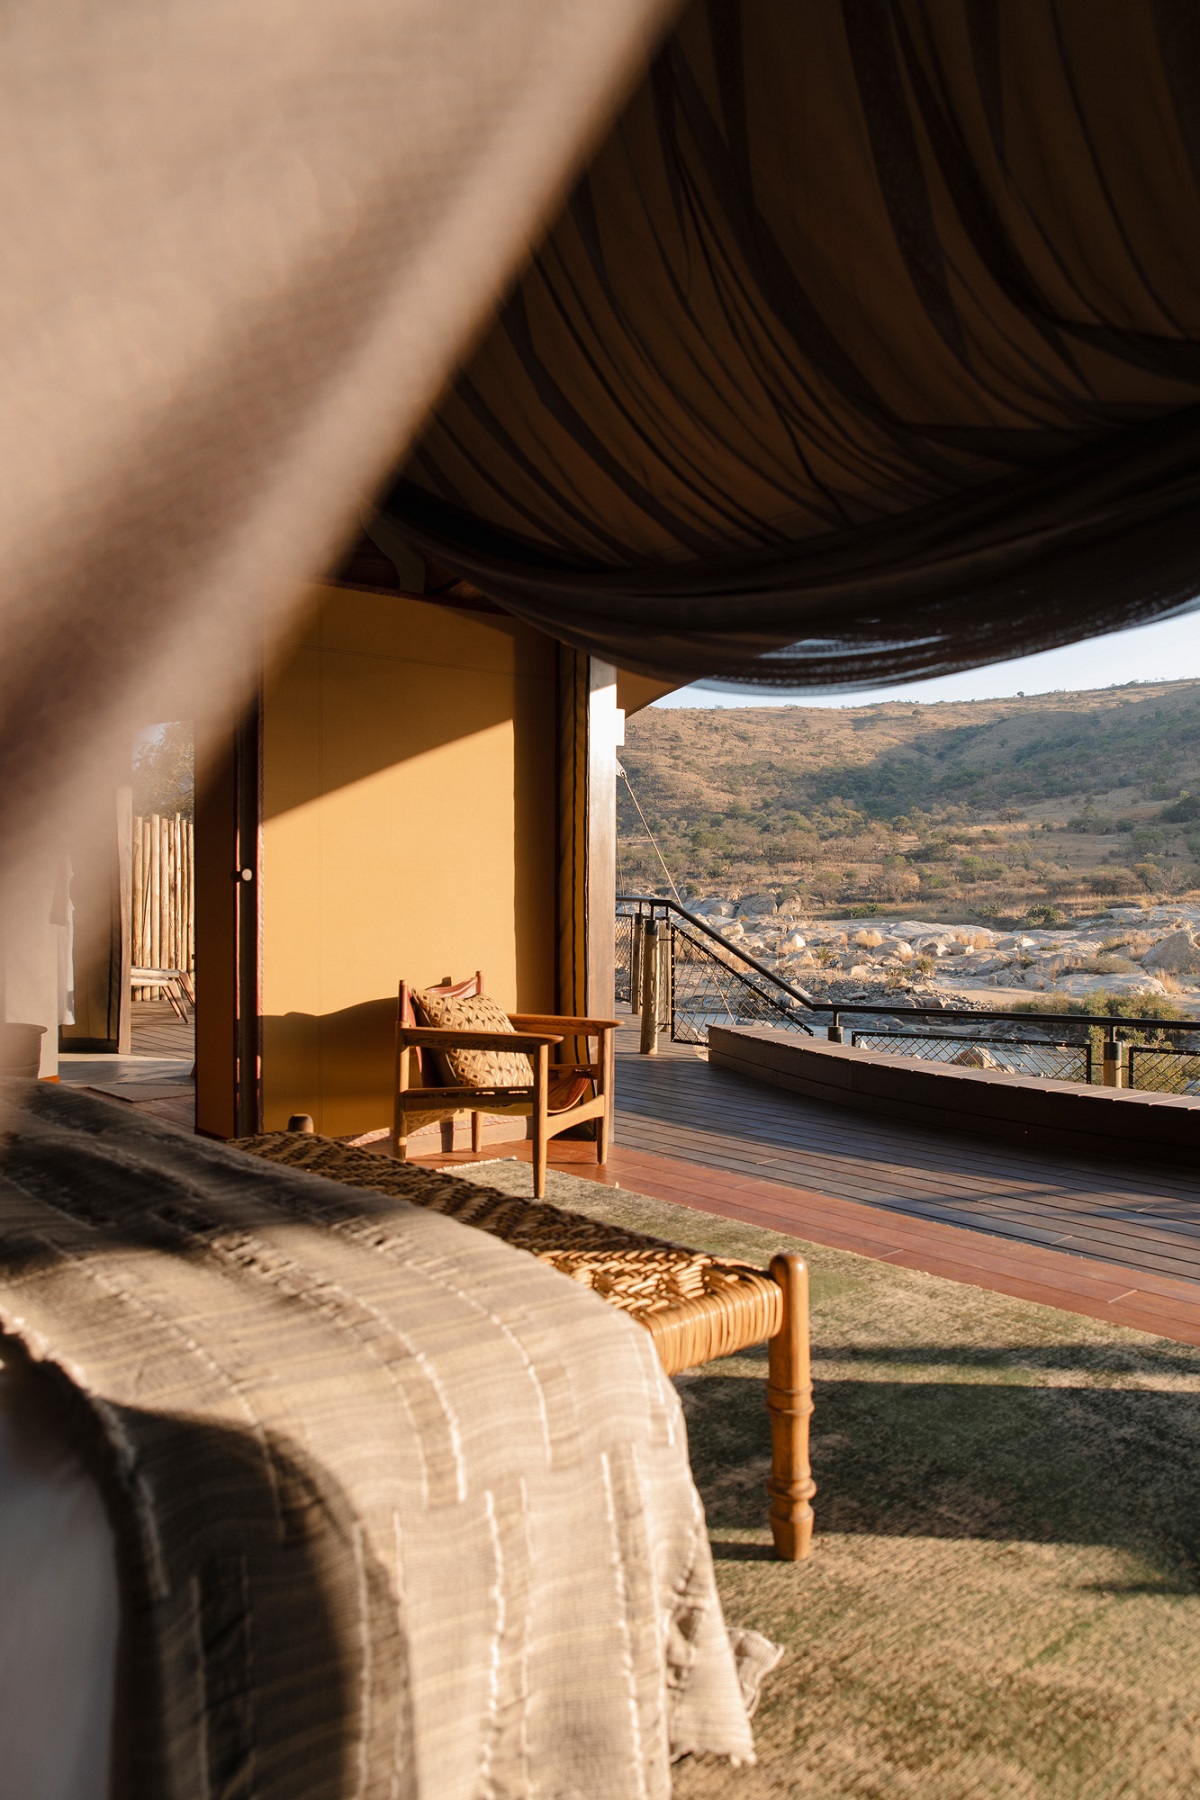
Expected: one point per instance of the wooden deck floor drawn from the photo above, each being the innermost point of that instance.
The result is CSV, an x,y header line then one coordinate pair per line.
x,y
158,1032
155,1030
1111,1242
1142,1220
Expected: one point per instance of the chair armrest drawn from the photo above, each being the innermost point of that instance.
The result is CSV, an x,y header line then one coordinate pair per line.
x,y
431,1037
561,1023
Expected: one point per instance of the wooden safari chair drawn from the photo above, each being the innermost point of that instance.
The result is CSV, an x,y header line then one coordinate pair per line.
x,y
175,984
695,1306
495,1064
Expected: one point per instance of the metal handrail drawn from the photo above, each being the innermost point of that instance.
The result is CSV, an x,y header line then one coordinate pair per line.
x,y
1064,1021
652,900
1110,1023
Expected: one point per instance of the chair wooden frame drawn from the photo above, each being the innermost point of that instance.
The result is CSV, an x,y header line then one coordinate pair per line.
x,y
535,1034
176,984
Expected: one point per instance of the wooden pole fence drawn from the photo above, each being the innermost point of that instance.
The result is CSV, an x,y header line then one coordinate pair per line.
x,y
164,909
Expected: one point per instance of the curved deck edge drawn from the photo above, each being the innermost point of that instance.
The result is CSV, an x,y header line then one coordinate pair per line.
x,y
1051,1115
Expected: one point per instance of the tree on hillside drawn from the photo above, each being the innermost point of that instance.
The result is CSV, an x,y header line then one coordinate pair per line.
x,y
164,771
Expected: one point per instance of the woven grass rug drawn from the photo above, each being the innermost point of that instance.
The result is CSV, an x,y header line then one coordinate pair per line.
x,y
1004,1595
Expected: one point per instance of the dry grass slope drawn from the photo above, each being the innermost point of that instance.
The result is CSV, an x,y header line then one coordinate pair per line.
x,y
980,809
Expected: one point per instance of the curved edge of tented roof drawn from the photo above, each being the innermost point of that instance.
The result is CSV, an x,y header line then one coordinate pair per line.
x,y
636,692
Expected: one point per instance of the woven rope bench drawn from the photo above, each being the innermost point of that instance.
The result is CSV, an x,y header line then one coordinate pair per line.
x,y
696,1307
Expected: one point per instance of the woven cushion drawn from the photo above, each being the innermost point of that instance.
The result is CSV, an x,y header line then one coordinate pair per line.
x,y
474,1012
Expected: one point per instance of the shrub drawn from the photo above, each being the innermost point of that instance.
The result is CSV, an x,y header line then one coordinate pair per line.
x,y
897,885
1183,811
1045,915
164,779
1105,1005
1113,881
825,885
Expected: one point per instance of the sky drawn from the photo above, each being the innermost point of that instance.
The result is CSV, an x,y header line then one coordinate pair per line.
x,y
1167,651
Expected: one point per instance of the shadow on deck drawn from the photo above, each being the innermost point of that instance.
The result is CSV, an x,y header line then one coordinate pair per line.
x,y
1111,1231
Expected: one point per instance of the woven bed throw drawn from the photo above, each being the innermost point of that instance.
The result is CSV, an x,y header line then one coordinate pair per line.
x,y
400,1511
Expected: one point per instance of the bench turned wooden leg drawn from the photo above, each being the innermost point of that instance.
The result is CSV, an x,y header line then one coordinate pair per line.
x,y
789,1403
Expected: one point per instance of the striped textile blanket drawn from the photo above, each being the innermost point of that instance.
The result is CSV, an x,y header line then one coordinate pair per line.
x,y
399,1511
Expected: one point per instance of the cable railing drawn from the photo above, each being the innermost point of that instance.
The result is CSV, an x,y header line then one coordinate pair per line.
x,y
681,976
1163,1071
676,971
1012,1056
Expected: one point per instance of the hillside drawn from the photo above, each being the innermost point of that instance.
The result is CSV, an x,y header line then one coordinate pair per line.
x,y
991,809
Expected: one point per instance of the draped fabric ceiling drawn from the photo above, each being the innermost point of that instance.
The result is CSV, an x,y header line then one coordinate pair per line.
x,y
868,346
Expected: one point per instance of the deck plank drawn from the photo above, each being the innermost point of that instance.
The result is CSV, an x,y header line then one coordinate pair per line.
x,y
1152,1301
756,1114
1095,1234
689,1100
156,1030
957,1164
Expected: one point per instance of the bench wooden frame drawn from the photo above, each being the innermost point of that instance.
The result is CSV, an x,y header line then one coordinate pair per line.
x,y
738,1306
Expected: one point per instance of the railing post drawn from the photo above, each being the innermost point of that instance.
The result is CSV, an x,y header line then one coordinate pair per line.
x,y
667,941
635,960
649,1043
1111,1072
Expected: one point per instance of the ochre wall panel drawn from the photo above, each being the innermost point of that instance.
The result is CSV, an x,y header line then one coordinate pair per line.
x,y
408,829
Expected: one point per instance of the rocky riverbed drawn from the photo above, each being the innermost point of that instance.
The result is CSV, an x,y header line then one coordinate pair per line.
x,y
1153,951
